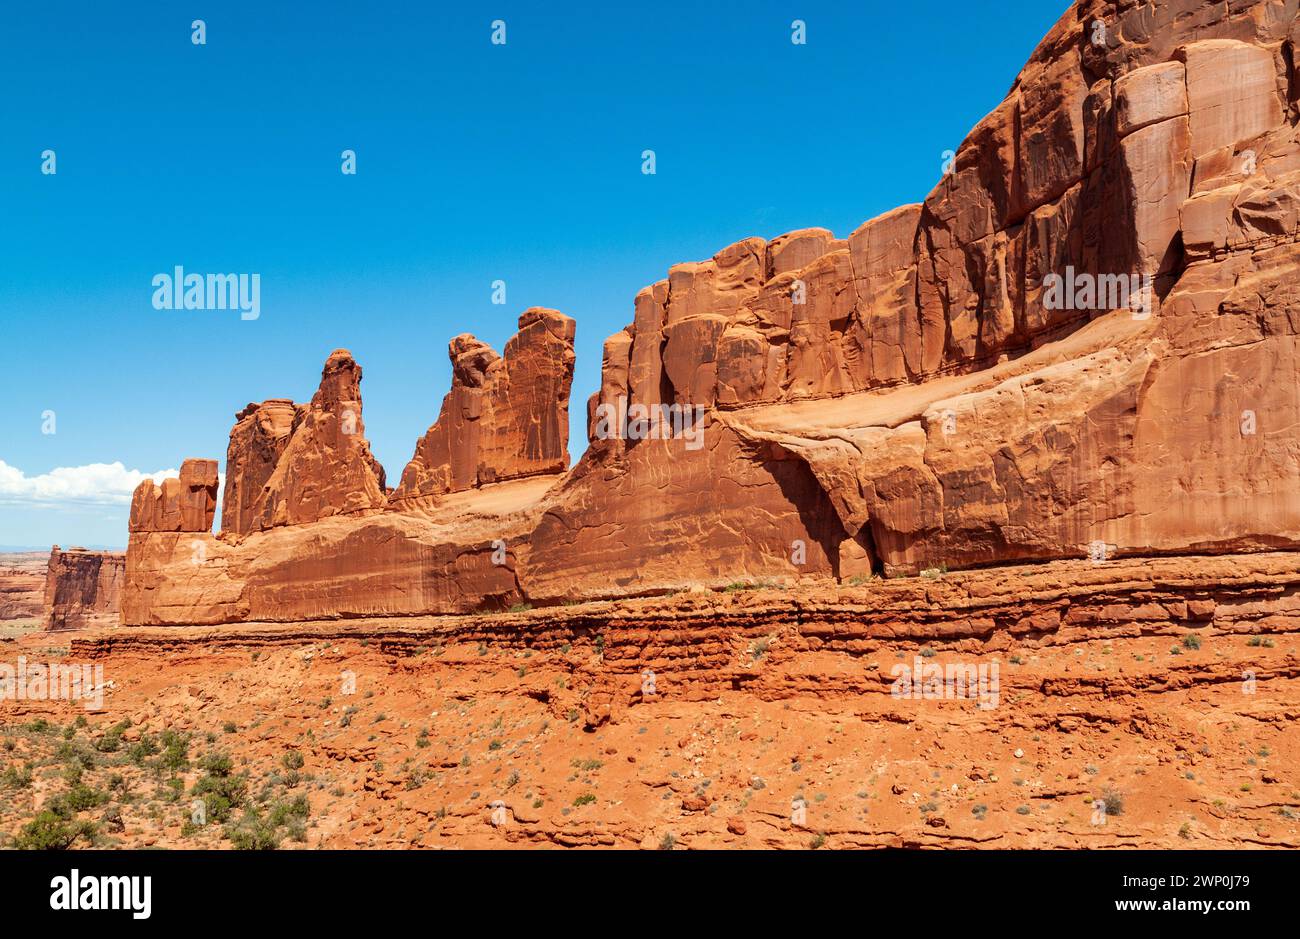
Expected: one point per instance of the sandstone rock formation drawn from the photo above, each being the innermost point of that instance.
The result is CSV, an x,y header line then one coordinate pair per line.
x,y
1081,343
660,516
294,464
462,558
504,418
303,535
257,442
22,585
1147,147
184,504
83,588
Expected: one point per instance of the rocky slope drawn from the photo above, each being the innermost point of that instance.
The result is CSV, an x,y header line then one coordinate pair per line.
x,y
1164,689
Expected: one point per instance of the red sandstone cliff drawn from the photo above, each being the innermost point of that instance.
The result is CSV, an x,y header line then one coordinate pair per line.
x,y
83,588
504,418
974,420
920,394
22,583
291,464
181,504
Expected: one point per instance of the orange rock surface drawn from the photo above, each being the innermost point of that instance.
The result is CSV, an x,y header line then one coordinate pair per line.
x,y
180,504
325,468
504,418
1082,343
83,588
257,442
22,585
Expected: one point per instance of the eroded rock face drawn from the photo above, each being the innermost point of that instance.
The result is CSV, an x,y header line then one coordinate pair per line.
x,y
1085,165
657,516
83,588
22,585
257,442
1081,343
1144,153
184,504
292,464
506,417
326,467
463,558
304,533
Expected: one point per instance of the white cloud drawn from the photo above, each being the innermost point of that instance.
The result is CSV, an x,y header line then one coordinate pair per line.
x,y
92,484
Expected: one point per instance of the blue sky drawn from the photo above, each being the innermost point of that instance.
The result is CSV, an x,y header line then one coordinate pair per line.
x,y
475,163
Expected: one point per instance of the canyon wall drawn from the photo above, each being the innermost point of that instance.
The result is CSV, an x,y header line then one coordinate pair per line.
x,y
1082,343
22,586
953,406
83,588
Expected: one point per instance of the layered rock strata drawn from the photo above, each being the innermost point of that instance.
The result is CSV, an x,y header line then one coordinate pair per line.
x,y
309,529
506,417
22,585
985,708
1082,343
83,588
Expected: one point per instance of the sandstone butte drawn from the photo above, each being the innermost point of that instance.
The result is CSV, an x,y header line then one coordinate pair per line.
x,y
907,398
83,588
1104,503
71,588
